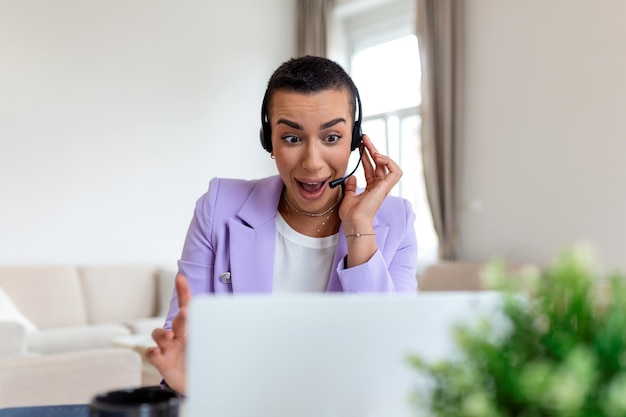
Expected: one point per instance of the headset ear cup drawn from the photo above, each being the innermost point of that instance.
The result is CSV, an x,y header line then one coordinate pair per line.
x,y
356,135
266,136
266,130
262,137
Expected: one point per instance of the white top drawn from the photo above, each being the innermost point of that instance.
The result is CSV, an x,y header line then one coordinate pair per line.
x,y
301,263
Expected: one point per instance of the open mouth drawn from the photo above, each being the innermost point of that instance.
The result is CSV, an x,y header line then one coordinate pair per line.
x,y
312,187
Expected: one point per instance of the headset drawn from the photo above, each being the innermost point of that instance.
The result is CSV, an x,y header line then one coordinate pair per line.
x,y
266,129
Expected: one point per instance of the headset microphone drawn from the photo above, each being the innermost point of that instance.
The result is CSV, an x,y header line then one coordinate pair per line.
x,y
338,181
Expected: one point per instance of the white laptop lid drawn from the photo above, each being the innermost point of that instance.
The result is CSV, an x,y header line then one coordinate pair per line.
x,y
317,355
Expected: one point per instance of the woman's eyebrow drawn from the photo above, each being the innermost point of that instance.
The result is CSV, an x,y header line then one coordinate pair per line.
x,y
297,126
289,123
332,123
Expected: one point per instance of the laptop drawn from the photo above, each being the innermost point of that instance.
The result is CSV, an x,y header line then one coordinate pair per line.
x,y
319,355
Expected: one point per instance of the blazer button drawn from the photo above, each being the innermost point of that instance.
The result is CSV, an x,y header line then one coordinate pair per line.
x,y
225,278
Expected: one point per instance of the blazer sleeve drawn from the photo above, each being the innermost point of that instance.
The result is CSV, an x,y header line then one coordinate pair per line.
x,y
197,261
392,268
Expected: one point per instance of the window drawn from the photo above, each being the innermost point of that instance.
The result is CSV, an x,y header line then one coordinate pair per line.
x,y
376,43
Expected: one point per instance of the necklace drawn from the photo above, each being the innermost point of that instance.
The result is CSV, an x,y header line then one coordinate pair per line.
x,y
324,222
319,229
305,213
328,212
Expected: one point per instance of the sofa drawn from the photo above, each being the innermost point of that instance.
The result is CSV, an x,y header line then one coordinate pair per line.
x,y
33,379
69,308
68,332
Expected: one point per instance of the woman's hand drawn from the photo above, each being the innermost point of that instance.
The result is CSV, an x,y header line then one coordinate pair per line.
x,y
357,211
169,354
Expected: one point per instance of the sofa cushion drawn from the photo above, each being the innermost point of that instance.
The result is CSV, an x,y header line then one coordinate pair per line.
x,y
144,326
62,339
10,312
115,293
48,296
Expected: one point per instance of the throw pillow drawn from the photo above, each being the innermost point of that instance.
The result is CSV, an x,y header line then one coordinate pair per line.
x,y
10,312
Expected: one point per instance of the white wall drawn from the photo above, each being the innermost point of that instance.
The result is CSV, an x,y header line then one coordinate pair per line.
x,y
544,130
115,114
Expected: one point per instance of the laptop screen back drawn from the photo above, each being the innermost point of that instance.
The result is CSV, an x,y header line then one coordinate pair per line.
x,y
318,355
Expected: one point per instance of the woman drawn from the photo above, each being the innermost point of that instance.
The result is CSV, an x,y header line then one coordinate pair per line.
x,y
296,231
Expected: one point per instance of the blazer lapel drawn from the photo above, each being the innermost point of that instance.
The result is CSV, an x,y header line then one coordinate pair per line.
x,y
253,238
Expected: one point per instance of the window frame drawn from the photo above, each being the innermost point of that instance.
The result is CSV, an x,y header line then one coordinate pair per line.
x,y
358,25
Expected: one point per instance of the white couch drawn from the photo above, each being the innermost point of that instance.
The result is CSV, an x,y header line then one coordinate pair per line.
x,y
58,326
68,308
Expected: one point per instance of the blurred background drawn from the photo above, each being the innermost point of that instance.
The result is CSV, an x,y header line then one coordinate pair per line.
x,y
114,116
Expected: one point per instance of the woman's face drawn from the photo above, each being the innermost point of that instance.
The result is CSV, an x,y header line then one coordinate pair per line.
x,y
311,135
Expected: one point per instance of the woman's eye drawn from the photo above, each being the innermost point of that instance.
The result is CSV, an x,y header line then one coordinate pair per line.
x,y
332,139
291,139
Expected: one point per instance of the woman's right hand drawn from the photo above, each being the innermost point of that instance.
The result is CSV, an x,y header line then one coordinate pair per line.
x,y
169,354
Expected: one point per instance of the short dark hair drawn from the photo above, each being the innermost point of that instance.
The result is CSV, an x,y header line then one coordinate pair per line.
x,y
309,74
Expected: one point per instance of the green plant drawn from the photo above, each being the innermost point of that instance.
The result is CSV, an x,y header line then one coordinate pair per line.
x,y
562,353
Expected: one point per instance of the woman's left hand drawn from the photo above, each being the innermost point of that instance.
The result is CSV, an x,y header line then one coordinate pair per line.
x,y
381,174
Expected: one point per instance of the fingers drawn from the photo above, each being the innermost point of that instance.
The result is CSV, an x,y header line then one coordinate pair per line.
x,y
350,185
154,355
380,170
395,169
368,166
161,336
369,145
179,324
182,290
385,168
163,340
390,171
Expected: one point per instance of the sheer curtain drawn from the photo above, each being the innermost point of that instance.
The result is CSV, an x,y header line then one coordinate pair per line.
x,y
438,29
314,19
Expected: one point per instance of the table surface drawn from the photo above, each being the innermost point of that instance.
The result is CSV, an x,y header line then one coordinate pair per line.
x,y
74,410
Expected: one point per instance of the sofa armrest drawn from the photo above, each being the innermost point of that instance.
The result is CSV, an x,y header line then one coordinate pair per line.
x,y
464,276
67,378
452,276
13,337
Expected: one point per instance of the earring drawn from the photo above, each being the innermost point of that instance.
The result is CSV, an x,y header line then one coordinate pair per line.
x,y
272,155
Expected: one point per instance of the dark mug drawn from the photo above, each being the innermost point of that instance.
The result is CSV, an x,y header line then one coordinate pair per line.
x,y
136,402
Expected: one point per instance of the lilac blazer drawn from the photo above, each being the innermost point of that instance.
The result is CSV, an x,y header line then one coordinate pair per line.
x,y
229,246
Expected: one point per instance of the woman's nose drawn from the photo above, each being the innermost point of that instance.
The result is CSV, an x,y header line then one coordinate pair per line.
x,y
312,159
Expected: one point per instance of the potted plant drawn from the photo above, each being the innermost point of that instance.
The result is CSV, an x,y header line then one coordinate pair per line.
x,y
558,349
